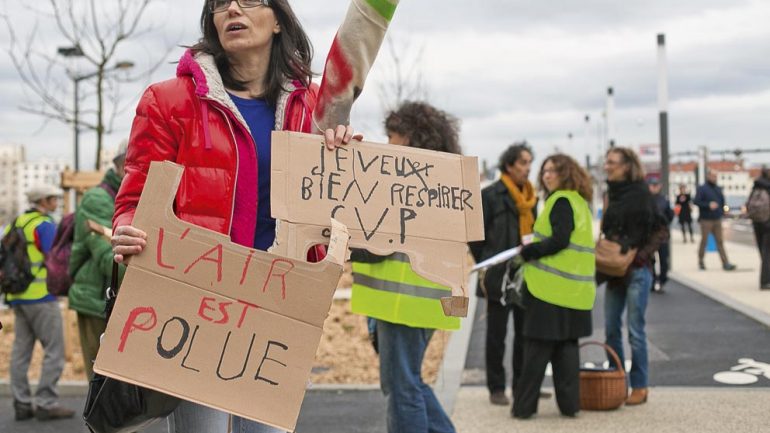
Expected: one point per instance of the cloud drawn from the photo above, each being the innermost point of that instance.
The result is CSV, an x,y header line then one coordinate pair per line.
x,y
513,69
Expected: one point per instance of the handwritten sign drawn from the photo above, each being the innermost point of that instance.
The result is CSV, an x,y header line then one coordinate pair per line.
x,y
392,199
212,322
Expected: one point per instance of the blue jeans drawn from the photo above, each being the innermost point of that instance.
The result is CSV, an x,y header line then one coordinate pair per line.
x,y
412,406
194,418
635,298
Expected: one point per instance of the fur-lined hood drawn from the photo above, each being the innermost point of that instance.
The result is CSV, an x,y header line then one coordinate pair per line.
x,y
208,85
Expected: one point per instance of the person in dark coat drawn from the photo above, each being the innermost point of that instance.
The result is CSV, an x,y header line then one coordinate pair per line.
x,y
711,201
509,214
664,251
630,220
684,202
762,232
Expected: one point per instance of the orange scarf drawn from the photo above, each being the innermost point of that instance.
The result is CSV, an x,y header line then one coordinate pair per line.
x,y
525,201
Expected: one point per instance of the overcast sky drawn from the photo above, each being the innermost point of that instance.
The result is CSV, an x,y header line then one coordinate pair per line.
x,y
509,69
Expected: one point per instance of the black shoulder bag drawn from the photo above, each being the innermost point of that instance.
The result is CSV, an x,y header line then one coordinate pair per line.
x,y
114,406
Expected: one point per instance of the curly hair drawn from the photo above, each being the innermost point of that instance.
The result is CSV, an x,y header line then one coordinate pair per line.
x,y
425,126
571,176
512,154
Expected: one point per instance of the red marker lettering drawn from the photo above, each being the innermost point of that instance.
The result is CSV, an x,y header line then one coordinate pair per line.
x,y
159,251
218,260
246,306
132,325
282,276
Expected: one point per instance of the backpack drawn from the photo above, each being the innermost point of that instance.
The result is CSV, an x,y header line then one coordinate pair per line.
x,y
15,268
758,206
57,262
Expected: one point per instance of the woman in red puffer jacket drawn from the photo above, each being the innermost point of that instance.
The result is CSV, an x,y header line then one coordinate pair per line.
x,y
248,75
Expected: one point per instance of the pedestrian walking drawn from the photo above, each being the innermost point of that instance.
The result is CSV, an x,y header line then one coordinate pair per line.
x,y
759,211
91,259
664,255
684,204
630,220
406,306
249,74
711,202
559,287
37,316
509,214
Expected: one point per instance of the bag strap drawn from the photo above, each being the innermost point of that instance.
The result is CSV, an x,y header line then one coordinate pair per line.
x,y
108,189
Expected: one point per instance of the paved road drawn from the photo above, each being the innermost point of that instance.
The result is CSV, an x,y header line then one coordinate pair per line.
x,y
322,412
691,338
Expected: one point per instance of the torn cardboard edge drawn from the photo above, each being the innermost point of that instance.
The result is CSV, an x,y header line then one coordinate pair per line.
x,y
391,198
207,277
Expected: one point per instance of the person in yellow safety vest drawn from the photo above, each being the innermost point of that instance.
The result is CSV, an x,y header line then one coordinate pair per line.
x,y
559,287
37,316
406,307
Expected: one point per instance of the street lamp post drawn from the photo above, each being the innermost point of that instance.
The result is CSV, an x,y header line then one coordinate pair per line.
x,y
76,79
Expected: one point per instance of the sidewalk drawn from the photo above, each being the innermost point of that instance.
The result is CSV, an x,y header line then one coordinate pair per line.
x,y
738,289
670,409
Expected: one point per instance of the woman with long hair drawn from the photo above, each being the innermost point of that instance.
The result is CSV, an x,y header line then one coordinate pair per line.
x,y
248,75
629,219
559,287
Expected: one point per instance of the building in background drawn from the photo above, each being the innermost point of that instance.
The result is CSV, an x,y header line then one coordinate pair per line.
x,y
11,157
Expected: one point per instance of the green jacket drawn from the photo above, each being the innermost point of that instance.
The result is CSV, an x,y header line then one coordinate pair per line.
x,y
91,258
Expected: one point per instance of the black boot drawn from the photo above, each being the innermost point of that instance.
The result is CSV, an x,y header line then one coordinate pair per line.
x,y
23,411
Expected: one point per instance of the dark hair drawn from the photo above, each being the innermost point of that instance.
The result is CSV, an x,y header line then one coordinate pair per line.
x,y
635,170
512,154
290,55
425,126
571,176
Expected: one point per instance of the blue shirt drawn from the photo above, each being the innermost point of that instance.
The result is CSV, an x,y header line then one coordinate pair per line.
x,y
260,117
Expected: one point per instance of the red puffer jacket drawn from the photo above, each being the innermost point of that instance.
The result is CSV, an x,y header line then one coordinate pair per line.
x,y
192,121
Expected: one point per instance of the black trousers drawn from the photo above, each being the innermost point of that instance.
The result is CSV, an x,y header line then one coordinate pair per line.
x,y
664,257
762,233
497,327
564,357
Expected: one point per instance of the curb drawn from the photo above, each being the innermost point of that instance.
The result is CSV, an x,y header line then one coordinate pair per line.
x,y
753,313
66,389
450,373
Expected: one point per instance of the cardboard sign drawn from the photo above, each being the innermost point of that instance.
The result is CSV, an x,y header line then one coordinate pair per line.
x,y
210,321
391,198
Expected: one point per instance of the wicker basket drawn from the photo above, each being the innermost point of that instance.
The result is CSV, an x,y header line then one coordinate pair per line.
x,y
603,389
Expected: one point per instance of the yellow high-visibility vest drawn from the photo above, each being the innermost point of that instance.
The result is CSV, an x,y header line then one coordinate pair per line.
x,y
37,289
390,290
566,278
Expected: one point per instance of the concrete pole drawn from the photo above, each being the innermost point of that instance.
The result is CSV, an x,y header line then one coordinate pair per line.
x,y
663,114
610,118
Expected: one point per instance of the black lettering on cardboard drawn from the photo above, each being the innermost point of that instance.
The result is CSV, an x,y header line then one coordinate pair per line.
x,y
406,215
265,358
421,197
245,361
330,188
334,213
364,165
360,192
384,163
320,169
395,189
445,195
307,184
168,354
327,232
338,157
369,235
409,195
457,204
189,348
467,195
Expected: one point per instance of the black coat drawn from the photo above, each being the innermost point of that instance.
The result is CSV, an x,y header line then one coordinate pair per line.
x,y
501,232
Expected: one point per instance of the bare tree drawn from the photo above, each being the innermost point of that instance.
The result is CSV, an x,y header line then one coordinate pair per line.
x,y
93,30
403,66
